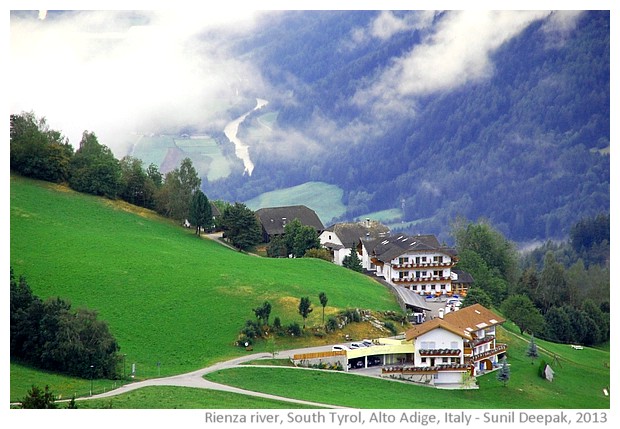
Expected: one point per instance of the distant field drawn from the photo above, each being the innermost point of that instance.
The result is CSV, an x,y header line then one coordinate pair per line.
x,y
384,216
323,198
168,296
206,155
579,381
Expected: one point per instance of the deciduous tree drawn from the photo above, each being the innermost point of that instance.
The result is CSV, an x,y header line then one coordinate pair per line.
x,y
323,300
241,226
305,308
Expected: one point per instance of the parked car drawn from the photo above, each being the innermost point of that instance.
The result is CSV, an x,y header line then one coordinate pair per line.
x,y
340,347
367,343
357,345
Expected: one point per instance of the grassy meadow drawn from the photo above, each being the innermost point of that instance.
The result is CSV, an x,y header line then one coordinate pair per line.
x,y
170,397
168,296
323,198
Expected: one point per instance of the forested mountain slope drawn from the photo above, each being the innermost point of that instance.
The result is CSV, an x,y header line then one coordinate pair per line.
x,y
525,143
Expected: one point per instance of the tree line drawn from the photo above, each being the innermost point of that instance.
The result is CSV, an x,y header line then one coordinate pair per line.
x,y
52,336
550,291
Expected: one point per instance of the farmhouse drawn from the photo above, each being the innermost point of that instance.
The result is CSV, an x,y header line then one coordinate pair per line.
x,y
340,238
274,219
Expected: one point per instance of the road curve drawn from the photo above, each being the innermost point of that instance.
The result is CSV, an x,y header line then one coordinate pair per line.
x,y
196,379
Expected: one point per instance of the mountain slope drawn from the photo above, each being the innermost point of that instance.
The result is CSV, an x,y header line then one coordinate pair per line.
x,y
526,145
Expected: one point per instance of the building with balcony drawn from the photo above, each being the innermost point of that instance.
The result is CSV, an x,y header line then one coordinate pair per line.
x,y
418,262
449,350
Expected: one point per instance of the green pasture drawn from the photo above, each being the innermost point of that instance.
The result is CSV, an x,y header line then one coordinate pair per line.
x,y
323,198
206,155
152,149
169,397
169,297
580,377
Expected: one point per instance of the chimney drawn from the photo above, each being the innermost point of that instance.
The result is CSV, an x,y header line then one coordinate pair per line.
x,y
367,222
283,221
441,313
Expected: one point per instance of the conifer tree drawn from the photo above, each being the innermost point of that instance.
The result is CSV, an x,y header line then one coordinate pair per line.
x,y
532,350
504,372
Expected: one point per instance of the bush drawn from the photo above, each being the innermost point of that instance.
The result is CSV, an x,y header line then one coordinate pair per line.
x,y
351,315
294,329
332,324
391,327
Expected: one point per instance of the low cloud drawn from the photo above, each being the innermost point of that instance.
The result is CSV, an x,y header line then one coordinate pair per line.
x,y
455,52
389,23
117,72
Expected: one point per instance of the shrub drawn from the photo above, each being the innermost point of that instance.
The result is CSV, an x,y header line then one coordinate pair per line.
x,y
294,329
391,327
332,324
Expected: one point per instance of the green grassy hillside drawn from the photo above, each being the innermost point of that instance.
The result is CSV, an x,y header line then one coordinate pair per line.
x,y
167,295
323,198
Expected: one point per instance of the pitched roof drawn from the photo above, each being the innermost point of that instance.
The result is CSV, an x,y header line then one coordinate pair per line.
x,y
462,276
273,219
473,318
462,322
392,247
429,325
350,233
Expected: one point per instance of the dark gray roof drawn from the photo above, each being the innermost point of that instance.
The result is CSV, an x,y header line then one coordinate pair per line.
x,y
273,219
387,248
410,298
462,276
350,233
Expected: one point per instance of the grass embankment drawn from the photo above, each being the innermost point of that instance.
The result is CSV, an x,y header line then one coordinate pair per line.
x,y
580,376
167,296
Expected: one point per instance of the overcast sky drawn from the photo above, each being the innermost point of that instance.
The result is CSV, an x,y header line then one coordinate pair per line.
x,y
117,72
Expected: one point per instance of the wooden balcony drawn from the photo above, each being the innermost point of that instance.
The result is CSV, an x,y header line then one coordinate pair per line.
x,y
499,348
432,279
425,369
439,352
426,265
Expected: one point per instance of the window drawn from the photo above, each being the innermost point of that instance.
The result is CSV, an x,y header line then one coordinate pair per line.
x,y
403,274
454,345
424,346
423,360
438,273
403,260
445,360
438,258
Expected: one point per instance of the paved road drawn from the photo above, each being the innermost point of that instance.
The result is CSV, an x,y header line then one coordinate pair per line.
x,y
196,379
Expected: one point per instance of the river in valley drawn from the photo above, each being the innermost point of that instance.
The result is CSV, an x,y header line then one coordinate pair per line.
x,y
241,149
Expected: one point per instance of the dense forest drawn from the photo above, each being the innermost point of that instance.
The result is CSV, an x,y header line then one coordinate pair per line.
x,y
527,148
558,291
